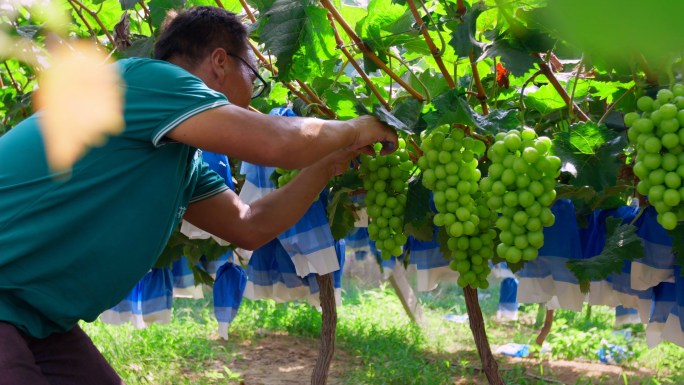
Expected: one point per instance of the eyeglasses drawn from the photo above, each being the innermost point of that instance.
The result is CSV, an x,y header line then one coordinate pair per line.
x,y
259,84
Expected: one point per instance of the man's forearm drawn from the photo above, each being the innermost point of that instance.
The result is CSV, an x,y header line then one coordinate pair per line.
x,y
264,139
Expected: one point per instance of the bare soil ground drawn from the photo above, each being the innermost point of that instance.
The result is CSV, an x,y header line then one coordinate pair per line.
x,y
279,359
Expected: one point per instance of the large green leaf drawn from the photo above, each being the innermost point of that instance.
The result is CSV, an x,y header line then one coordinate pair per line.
x,y
448,108
463,38
515,59
300,36
614,30
452,107
545,99
496,121
261,5
405,121
342,100
418,215
408,111
590,153
340,214
142,46
622,244
128,4
387,24
159,8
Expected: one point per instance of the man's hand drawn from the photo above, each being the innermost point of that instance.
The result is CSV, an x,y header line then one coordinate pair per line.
x,y
336,163
370,130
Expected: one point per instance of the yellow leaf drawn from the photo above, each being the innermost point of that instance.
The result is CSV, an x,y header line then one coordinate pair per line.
x,y
80,103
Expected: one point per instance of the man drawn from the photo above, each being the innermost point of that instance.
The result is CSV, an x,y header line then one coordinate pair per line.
x,y
73,247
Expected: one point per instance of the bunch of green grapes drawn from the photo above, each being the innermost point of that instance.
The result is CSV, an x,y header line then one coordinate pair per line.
x,y
659,139
521,185
449,165
285,176
385,178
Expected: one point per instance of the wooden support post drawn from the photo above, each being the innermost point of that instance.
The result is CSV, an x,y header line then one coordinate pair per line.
x,y
477,326
548,322
319,376
406,294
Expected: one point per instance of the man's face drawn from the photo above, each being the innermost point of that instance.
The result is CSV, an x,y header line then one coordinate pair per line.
x,y
238,85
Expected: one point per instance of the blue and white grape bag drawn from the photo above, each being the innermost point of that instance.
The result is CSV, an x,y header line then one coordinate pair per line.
x,y
431,266
673,330
184,281
658,262
283,269
149,301
547,279
229,287
616,290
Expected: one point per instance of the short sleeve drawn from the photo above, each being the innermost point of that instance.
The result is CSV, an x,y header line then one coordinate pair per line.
x,y
207,183
159,96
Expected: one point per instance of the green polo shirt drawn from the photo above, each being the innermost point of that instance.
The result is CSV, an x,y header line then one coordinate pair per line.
x,y
74,245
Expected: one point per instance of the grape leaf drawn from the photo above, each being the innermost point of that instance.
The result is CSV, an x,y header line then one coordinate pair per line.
x,y
463,38
516,60
678,244
410,114
201,276
350,181
261,5
407,110
430,79
159,8
342,100
180,245
300,36
28,31
622,244
604,34
340,214
496,121
591,154
418,215
545,99
449,107
386,25
127,4
142,46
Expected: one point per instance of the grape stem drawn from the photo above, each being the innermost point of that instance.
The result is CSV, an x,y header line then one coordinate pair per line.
x,y
436,52
651,76
93,14
415,147
615,103
313,99
357,67
368,53
521,101
85,22
148,16
460,7
574,87
546,70
473,134
641,212
481,95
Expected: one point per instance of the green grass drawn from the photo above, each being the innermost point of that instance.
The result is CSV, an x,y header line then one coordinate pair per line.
x,y
373,328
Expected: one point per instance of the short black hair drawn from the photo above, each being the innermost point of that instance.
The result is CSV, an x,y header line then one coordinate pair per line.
x,y
194,33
